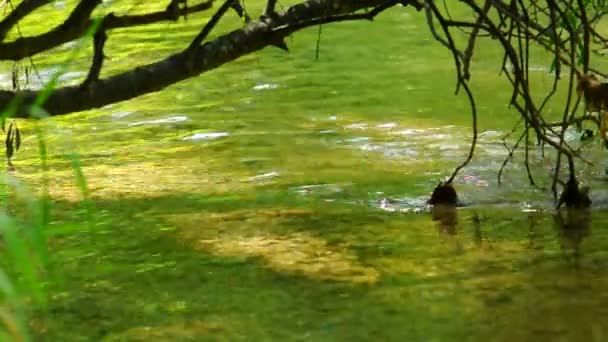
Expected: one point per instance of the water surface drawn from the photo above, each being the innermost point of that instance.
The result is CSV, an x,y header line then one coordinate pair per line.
x,y
283,198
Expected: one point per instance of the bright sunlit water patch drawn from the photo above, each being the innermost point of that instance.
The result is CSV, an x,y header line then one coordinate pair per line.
x,y
206,136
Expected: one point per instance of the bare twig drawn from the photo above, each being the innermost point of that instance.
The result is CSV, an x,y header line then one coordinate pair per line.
x,y
78,22
196,42
23,9
468,52
99,40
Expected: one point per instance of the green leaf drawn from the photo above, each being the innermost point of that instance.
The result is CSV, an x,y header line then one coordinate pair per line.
x,y
9,142
17,138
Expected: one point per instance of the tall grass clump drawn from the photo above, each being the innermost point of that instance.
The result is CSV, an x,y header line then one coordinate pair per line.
x,y
25,217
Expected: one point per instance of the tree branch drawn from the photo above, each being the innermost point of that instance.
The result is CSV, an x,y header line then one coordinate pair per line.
x,y
73,27
99,41
156,76
171,13
78,22
23,9
196,42
468,52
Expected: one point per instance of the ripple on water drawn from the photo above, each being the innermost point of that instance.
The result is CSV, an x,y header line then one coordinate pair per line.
x,y
206,136
357,139
265,86
42,78
420,205
264,177
171,119
391,150
477,182
444,146
388,125
356,126
424,143
402,205
491,134
319,189
410,131
120,115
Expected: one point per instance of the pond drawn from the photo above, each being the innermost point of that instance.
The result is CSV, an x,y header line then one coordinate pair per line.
x,y
282,197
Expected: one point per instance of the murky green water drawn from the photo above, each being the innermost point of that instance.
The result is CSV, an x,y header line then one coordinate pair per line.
x,y
281,198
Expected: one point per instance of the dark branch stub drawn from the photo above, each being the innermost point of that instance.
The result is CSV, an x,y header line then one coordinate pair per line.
x,y
574,196
270,13
444,194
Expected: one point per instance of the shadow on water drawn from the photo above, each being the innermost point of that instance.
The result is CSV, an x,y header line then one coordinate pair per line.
x,y
244,261
340,260
238,209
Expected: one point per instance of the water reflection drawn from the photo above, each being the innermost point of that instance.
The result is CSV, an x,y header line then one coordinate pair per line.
x,y
533,236
446,217
477,233
572,226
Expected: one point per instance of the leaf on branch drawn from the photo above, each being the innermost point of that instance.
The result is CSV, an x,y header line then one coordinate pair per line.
x,y
12,143
9,142
17,138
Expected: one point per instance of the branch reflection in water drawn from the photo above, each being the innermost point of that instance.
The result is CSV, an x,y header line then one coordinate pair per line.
x,y
572,226
446,218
